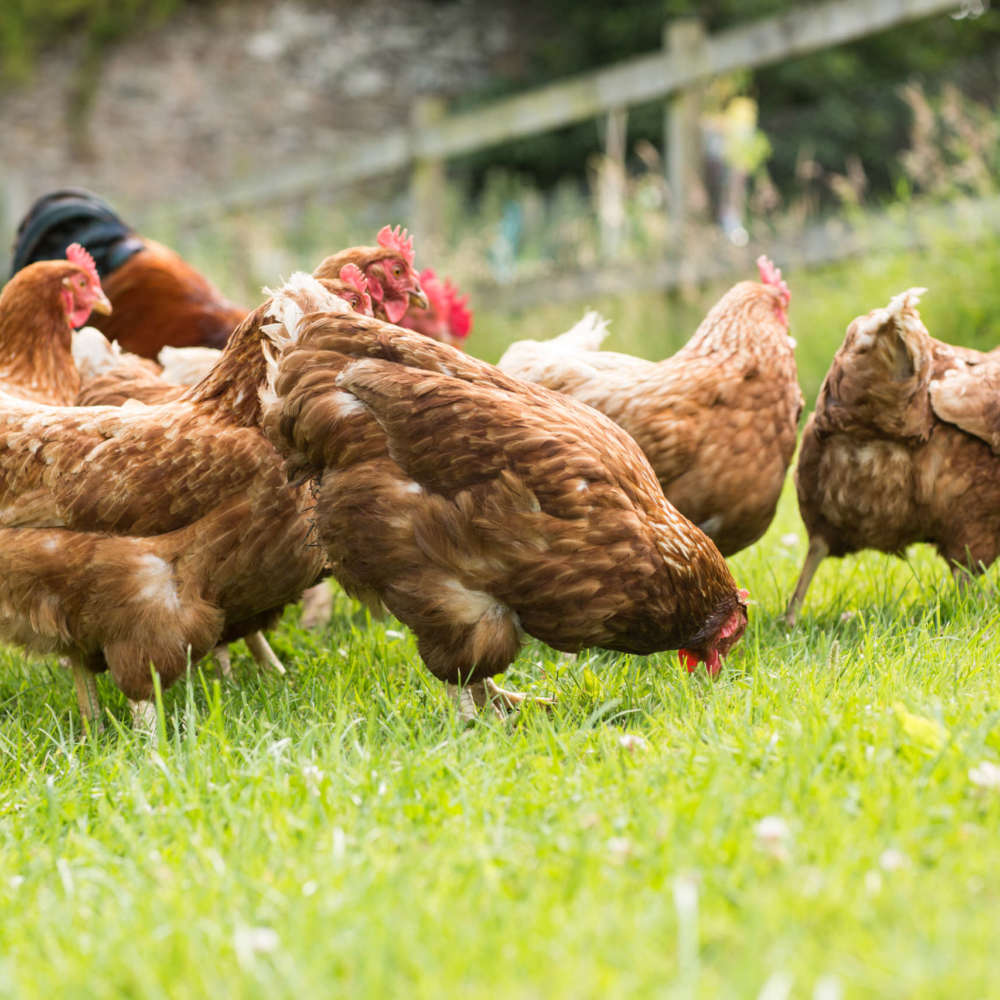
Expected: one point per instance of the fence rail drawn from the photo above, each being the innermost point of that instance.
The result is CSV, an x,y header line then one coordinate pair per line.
x,y
688,58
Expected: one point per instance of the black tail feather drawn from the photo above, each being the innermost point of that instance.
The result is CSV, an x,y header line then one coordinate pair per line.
x,y
73,215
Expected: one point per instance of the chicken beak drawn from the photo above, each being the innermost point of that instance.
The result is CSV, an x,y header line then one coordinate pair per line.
x,y
419,298
101,304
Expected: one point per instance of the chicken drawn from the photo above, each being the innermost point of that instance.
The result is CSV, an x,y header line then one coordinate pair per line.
x,y
393,284
39,309
717,421
901,448
447,319
159,300
111,377
147,535
478,507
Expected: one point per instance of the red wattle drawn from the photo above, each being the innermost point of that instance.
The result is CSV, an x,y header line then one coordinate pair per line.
x,y
688,659
395,309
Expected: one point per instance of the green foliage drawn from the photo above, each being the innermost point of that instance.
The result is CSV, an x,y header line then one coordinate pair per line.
x,y
834,103
29,26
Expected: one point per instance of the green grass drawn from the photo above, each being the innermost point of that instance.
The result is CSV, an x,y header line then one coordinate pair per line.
x,y
340,833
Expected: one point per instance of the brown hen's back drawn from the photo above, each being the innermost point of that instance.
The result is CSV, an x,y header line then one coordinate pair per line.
x,y
717,421
159,299
143,535
476,505
898,449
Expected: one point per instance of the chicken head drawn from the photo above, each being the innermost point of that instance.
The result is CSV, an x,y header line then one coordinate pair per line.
x,y
81,288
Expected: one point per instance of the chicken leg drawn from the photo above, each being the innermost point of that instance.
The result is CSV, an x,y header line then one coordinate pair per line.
x,y
143,717
262,653
471,699
225,661
85,682
818,551
317,606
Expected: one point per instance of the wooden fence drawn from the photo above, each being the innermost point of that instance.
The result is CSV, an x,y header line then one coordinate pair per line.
x,y
712,257
687,59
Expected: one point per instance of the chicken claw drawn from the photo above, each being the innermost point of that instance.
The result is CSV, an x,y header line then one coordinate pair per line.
x,y
143,717
471,699
262,653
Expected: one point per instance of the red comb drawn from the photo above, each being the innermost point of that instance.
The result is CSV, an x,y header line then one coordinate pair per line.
x,y
771,275
459,315
397,239
446,303
351,275
80,256
434,291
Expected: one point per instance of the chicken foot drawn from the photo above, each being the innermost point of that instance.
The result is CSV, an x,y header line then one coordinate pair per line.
x,y
471,699
818,551
260,650
317,606
85,682
143,717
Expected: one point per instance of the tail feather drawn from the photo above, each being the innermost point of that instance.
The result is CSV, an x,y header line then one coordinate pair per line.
x,y
586,335
187,365
73,215
523,356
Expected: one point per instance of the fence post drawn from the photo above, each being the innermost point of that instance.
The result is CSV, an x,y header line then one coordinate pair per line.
x,y
427,183
684,41
611,182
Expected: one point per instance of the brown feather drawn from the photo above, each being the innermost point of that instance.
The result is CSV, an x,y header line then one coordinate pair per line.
x,y
146,535
898,449
717,421
477,505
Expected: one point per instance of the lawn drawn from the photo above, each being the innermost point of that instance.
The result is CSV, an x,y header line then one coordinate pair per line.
x,y
817,822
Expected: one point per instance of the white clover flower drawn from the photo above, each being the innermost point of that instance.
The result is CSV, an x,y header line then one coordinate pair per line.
x,y
619,848
986,775
251,941
632,742
772,835
891,860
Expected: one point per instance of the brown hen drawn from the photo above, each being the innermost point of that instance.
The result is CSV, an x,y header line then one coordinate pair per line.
x,y
901,448
110,376
717,421
478,507
39,309
142,537
159,299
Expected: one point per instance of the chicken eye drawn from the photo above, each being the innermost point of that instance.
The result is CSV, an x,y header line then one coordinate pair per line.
x,y
353,301
397,271
81,281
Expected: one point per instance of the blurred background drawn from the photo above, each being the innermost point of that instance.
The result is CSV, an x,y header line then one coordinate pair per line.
x,y
634,157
